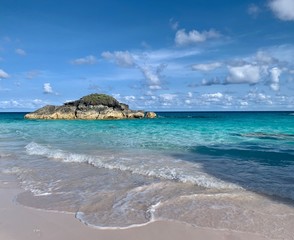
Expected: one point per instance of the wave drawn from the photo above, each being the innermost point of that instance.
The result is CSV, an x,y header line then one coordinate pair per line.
x,y
151,166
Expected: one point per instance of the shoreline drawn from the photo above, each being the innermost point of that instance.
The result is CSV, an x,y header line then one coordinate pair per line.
x,y
18,222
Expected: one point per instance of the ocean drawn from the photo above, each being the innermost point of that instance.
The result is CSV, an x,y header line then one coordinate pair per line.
x,y
220,170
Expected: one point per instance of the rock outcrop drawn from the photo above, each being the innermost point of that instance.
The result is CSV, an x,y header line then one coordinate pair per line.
x,y
150,115
90,107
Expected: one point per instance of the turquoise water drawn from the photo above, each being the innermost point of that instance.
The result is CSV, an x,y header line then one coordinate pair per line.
x,y
210,169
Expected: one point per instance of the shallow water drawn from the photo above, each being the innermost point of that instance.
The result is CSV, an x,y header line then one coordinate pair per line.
x,y
218,170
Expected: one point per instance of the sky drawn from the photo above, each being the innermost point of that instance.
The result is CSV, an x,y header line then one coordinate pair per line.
x,y
180,55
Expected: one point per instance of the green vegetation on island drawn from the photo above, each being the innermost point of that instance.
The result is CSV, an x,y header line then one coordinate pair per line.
x,y
93,106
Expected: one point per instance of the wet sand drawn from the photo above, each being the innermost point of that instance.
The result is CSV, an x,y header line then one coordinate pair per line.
x,y
18,222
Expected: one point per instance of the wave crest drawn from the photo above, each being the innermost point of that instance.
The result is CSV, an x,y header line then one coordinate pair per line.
x,y
151,166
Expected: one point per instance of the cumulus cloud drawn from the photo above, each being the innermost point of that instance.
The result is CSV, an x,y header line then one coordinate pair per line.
x,y
240,74
88,60
212,81
123,59
206,67
283,9
264,57
47,89
153,75
247,73
260,68
168,99
20,52
152,72
3,74
215,97
264,67
183,38
258,98
275,78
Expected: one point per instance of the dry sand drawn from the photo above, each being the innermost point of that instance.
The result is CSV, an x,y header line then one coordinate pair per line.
x,y
21,223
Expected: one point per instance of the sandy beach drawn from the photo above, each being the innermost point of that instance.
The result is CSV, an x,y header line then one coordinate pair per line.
x,y
20,223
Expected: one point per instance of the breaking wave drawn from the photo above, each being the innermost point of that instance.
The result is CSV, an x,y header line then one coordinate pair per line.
x,y
158,166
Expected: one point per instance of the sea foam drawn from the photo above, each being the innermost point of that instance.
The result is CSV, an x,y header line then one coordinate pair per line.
x,y
163,167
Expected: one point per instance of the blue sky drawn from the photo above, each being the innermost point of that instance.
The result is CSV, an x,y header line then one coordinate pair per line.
x,y
153,55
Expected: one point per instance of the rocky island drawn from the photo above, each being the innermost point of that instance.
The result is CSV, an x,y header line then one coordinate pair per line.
x,y
90,107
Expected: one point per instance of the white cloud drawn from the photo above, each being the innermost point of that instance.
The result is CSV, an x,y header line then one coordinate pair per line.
x,y
168,99
264,57
47,89
22,104
173,24
130,98
3,74
117,96
85,60
213,96
262,96
217,98
264,67
169,54
244,103
213,81
186,38
253,10
123,59
206,67
153,75
275,78
283,9
282,53
20,52
247,73
152,72
259,98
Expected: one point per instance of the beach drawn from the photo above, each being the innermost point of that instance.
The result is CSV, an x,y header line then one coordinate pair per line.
x,y
181,175
147,120
20,223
